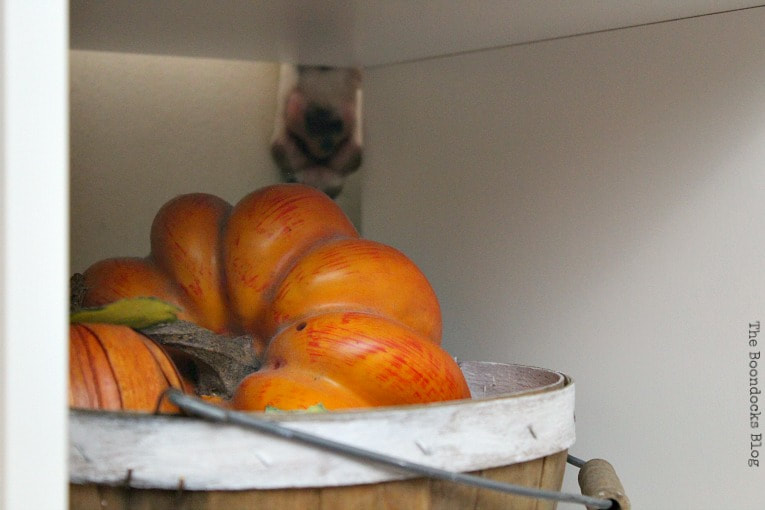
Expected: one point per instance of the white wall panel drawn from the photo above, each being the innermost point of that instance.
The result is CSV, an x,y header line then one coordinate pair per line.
x,y
33,255
595,205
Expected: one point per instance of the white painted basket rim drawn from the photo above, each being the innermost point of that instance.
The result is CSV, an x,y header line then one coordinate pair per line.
x,y
518,413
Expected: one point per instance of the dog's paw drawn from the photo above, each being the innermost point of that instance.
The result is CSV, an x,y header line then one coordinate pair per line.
x,y
289,157
347,157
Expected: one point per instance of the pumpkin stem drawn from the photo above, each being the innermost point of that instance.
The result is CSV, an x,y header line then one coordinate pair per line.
x,y
77,291
214,363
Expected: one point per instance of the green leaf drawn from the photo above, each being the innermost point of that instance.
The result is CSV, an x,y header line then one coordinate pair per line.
x,y
137,313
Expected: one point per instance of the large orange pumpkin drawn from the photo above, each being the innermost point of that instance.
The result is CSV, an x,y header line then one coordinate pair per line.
x,y
284,263
113,367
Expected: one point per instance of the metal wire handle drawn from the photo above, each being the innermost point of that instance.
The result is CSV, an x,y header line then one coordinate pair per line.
x,y
198,407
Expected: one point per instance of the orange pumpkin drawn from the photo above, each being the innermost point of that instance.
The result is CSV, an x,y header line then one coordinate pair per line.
x,y
113,367
284,256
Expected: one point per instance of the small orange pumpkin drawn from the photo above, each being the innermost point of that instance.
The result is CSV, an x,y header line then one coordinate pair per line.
x,y
113,367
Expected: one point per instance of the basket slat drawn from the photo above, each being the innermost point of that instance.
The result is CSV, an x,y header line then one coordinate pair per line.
x,y
415,494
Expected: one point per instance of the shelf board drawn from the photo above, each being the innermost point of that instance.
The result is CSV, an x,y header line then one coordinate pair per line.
x,y
355,32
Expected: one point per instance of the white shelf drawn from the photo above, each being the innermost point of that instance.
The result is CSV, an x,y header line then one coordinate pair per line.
x,y
355,32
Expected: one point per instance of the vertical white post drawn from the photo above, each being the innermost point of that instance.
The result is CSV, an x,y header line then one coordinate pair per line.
x,y
33,253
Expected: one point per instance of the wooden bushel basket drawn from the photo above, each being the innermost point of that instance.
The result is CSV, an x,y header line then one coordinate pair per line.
x,y
516,429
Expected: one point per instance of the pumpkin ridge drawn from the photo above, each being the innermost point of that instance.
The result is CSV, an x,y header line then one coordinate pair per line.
x,y
162,365
179,297
185,239
232,327
295,294
345,310
270,293
158,362
85,370
96,380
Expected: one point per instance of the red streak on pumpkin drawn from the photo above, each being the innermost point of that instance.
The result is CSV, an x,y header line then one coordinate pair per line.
x,y
335,261
194,288
180,248
281,210
244,271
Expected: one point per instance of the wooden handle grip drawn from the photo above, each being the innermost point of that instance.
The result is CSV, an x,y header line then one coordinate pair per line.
x,y
598,479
